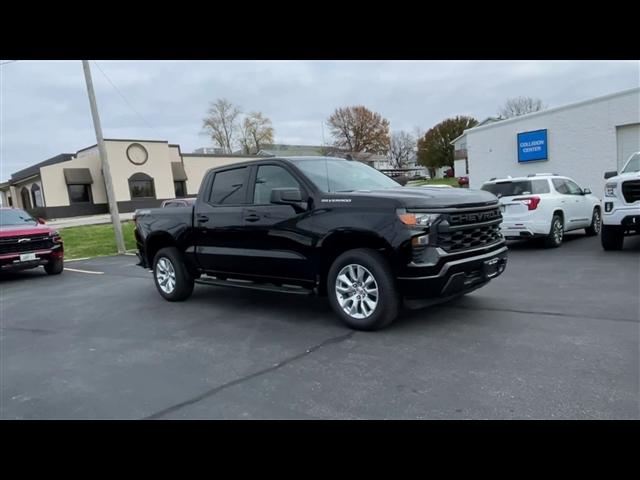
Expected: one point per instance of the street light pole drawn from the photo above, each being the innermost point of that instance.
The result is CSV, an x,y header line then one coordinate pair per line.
x,y
106,172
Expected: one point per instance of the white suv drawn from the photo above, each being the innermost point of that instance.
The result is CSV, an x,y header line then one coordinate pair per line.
x,y
544,206
621,204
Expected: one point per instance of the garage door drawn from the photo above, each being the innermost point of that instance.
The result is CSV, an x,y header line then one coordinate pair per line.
x,y
628,142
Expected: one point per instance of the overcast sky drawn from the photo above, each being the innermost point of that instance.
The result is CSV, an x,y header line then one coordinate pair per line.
x,y
44,109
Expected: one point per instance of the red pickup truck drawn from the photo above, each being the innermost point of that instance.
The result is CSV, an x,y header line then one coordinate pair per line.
x,y
28,243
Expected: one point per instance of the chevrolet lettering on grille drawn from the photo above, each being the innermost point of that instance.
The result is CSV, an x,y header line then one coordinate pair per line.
x,y
475,217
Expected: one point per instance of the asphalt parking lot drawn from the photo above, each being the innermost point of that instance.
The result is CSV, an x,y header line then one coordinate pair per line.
x,y
555,337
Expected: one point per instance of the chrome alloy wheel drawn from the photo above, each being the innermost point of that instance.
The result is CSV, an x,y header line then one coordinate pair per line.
x,y
357,291
558,231
597,222
166,275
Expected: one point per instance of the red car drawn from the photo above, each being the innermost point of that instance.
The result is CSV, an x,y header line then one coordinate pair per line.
x,y
28,243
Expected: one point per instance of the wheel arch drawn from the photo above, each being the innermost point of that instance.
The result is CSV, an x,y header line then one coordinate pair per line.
x,y
560,211
154,242
336,243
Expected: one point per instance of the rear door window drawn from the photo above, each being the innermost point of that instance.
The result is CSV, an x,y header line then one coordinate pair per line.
x,y
229,187
517,187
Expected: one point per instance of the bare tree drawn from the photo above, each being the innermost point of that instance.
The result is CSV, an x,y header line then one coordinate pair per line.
x,y
517,106
221,123
401,147
256,132
358,129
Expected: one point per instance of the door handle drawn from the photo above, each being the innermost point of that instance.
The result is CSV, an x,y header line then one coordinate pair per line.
x,y
202,218
252,218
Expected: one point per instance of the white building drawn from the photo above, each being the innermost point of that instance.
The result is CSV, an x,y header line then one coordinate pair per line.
x,y
581,140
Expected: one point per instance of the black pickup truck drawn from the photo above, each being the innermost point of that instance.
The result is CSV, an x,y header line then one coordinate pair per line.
x,y
327,226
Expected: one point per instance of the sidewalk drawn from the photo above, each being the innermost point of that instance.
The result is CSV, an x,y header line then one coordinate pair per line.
x,y
89,220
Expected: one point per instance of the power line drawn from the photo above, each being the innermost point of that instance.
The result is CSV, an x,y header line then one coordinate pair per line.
x,y
125,100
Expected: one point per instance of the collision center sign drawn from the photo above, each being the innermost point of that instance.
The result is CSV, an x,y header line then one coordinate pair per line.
x,y
532,146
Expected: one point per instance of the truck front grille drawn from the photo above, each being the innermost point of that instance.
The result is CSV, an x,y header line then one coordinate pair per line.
x,y
631,190
462,239
29,244
461,230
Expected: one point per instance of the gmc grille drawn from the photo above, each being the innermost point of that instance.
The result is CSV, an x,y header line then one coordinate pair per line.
x,y
35,242
471,229
631,190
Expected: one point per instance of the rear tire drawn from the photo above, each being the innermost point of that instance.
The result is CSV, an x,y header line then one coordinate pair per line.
x,y
612,237
55,266
171,275
362,290
596,223
556,233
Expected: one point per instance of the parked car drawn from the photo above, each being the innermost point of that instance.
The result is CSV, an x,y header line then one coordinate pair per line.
x,y
545,206
621,216
178,202
463,181
328,226
26,242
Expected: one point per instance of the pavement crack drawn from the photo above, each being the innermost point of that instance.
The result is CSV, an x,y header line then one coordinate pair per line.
x,y
25,329
224,386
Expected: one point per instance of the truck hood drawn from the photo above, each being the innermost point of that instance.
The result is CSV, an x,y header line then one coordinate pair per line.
x,y
18,230
435,197
624,176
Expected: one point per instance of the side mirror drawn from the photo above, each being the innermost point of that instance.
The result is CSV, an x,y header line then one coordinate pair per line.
x,y
286,196
586,191
610,174
41,221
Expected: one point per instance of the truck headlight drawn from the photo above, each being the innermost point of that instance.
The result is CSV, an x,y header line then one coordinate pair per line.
x,y
610,190
418,219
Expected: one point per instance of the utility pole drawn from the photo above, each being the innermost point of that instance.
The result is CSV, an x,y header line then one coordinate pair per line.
x,y
106,173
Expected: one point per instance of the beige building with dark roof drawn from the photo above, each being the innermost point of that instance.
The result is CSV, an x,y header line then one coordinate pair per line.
x,y
144,172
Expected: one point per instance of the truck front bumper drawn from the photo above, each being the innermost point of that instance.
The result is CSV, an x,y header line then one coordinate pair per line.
x,y
456,276
628,216
13,262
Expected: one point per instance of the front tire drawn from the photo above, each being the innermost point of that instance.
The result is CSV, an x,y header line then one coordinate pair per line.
x,y
362,291
556,233
55,266
171,276
596,223
612,237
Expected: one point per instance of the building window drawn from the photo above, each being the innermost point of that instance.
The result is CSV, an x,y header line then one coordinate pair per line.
x,y
26,198
141,186
36,194
79,193
180,188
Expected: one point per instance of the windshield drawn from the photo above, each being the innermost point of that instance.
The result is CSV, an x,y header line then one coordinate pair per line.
x,y
633,165
337,175
518,187
15,217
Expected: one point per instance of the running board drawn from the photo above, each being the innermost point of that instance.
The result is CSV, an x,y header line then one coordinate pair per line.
x,y
254,286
